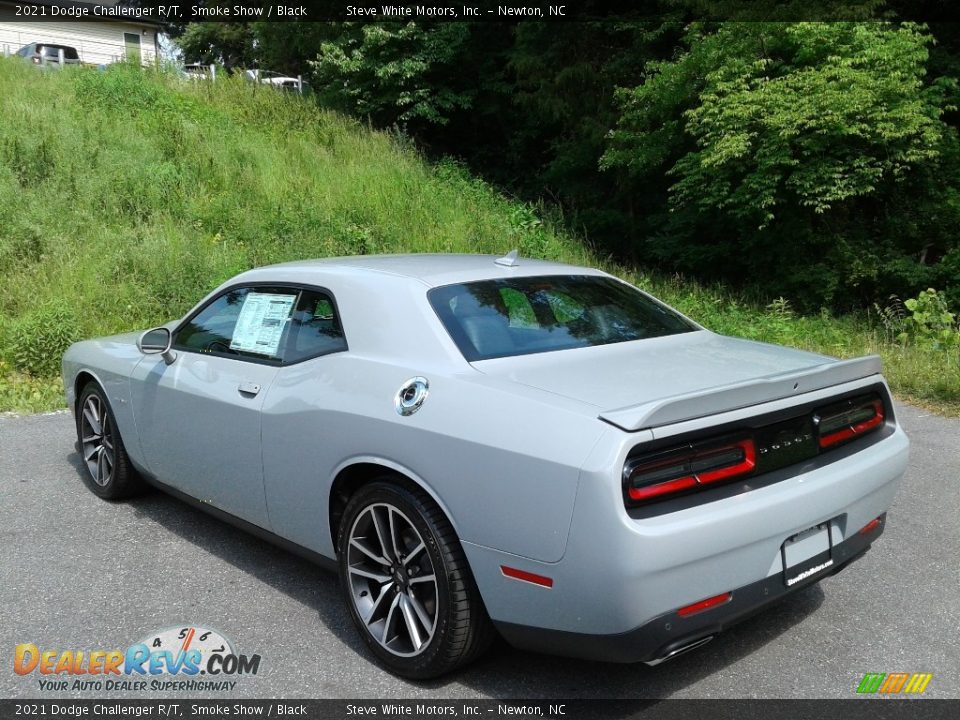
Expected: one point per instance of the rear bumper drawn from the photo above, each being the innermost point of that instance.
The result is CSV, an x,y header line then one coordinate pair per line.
x,y
670,633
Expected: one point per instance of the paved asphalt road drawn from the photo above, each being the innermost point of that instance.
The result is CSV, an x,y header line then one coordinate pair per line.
x,y
80,573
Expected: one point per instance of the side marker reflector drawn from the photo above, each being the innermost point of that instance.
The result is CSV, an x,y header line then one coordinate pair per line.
x,y
704,605
541,580
870,526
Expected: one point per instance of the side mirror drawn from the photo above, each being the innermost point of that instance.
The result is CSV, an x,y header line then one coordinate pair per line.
x,y
158,342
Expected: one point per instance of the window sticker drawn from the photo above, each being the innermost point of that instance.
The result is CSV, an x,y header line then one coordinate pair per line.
x,y
261,322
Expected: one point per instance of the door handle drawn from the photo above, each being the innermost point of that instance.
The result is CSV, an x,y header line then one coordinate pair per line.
x,y
249,388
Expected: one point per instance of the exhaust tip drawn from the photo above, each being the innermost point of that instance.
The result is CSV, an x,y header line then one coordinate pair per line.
x,y
678,651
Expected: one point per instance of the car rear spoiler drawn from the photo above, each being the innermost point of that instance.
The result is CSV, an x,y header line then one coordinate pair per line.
x,y
702,403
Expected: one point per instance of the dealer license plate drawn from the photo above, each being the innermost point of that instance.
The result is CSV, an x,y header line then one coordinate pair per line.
x,y
807,554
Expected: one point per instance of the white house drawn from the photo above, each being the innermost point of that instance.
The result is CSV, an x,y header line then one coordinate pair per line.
x,y
98,40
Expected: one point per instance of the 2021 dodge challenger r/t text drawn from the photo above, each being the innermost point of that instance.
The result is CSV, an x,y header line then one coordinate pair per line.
x,y
506,445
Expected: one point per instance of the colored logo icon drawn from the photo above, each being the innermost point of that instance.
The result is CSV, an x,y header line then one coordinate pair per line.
x,y
894,683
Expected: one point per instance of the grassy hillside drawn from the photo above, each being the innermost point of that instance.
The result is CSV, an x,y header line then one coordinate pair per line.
x,y
125,196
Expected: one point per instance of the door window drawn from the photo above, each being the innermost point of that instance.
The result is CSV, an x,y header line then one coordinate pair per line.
x,y
265,324
250,323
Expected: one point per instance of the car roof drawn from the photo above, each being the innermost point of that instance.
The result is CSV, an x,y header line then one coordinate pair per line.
x,y
430,269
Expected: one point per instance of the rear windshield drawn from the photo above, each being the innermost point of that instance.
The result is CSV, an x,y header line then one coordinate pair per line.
x,y
499,318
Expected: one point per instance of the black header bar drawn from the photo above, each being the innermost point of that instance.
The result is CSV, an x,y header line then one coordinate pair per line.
x,y
160,12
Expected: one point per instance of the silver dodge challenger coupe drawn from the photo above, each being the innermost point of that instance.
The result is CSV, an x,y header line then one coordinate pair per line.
x,y
491,445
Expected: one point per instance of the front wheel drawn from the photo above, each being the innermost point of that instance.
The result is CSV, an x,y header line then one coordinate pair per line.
x,y
109,472
407,582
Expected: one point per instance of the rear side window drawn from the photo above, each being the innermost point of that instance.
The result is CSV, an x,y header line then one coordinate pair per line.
x,y
519,316
314,329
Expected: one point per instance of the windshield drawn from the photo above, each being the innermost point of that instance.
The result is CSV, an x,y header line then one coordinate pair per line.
x,y
499,318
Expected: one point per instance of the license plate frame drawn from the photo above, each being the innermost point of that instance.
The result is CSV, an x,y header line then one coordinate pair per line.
x,y
807,555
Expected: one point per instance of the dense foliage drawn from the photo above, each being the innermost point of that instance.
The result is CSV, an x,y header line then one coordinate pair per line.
x,y
813,157
819,160
389,73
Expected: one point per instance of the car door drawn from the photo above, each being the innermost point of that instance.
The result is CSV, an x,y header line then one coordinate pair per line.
x,y
301,437
198,419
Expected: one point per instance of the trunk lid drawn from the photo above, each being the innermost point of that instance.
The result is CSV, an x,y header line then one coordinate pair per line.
x,y
657,381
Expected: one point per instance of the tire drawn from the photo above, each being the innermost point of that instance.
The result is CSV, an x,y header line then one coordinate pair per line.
x,y
420,614
108,471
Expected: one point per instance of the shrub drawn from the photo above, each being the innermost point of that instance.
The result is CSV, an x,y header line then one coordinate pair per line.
x,y
39,339
930,322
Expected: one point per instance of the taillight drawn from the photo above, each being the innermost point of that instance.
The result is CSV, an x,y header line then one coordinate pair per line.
x,y
688,468
757,450
838,425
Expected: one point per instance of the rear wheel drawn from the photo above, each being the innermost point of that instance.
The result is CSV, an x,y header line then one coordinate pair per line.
x,y
109,472
407,582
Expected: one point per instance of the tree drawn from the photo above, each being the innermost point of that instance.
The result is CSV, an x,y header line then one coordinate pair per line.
x,y
800,130
289,47
230,44
394,73
561,108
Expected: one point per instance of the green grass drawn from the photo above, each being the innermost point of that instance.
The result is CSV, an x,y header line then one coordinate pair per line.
x,y
125,196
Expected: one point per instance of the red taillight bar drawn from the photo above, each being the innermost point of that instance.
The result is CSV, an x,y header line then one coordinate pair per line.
x,y
702,605
744,466
688,475
857,429
664,488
